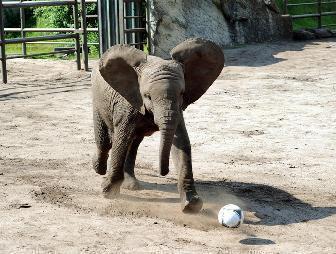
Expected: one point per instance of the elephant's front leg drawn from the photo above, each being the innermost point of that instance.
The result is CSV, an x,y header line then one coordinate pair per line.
x,y
130,181
181,152
103,143
120,146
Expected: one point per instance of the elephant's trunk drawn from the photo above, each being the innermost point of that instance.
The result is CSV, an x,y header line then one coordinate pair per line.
x,y
167,128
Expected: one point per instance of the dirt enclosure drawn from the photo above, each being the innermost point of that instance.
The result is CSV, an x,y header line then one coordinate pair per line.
x,y
263,137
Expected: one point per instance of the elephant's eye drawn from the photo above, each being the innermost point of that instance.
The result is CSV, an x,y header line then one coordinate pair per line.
x,y
148,96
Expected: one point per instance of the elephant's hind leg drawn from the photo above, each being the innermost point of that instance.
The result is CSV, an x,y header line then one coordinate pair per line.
x,y
103,142
130,182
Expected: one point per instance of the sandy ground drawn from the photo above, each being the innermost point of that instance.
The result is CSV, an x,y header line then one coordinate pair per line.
x,y
263,137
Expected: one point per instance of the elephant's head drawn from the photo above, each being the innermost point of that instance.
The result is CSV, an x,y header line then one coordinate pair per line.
x,y
163,88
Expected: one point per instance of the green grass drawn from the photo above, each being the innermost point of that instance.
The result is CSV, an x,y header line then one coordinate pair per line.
x,y
310,9
13,49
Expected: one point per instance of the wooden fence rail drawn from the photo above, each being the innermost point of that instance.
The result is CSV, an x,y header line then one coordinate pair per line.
x,y
319,13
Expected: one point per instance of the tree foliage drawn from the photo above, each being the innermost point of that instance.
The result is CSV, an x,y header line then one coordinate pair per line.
x,y
56,16
61,16
12,18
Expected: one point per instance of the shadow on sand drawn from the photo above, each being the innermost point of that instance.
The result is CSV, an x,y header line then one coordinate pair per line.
x,y
27,90
263,54
256,241
271,205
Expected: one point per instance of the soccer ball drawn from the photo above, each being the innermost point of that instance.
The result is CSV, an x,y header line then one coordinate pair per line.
x,y
230,216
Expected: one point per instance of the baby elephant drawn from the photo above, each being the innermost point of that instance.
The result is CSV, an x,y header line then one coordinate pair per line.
x,y
135,95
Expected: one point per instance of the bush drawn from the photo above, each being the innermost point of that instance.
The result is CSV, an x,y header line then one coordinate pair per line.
x,y
61,16
57,16
12,20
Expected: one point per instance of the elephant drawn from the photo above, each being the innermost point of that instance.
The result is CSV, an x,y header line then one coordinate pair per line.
x,y
135,95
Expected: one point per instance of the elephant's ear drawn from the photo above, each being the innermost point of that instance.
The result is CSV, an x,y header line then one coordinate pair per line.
x,y
203,61
117,65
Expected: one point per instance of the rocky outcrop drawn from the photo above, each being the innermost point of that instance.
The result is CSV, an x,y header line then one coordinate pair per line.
x,y
226,22
310,34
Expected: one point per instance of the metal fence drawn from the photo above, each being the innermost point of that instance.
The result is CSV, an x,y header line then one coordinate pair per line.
x,y
124,22
77,33
319,13
119,22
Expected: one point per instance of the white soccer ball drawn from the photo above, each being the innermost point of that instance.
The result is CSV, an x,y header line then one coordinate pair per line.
x,y
230,216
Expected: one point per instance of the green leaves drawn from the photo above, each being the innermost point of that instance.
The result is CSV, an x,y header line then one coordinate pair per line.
x,y
57,16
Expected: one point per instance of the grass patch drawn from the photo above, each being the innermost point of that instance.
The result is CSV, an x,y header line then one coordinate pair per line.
x,y
310,9
35,48
15,49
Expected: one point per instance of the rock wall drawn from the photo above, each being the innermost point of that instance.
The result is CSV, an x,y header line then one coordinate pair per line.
x,y
226,22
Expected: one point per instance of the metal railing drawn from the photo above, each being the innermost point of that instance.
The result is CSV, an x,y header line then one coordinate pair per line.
x,y
119,22
134,23
77,33
123,22
319,4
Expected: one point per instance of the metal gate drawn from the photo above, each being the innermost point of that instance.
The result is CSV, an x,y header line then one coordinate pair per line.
x,y
119,21
123,22
67,33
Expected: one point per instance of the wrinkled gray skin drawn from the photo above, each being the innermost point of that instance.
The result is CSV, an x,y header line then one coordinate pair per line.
x,y
135,95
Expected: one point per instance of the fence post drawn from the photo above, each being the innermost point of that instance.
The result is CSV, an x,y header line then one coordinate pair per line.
x,y
149,36
76,23
286,7
109,23
84,36
112,27
116,21
3,46
101,26
128,22
121,22
138,23
22,26
319,9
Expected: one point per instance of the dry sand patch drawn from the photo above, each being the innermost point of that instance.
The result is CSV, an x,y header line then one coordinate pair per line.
x,y
263,137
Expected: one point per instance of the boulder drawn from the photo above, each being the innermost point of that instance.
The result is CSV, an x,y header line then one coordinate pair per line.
x,y
303,34
272,6
226,22
322,33
310,34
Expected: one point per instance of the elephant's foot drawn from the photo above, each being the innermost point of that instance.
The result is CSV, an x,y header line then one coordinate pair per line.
x,y
191,202
131,183
111,189
99,165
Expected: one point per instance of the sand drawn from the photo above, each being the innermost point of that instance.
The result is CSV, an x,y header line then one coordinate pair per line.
x,y
263,137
